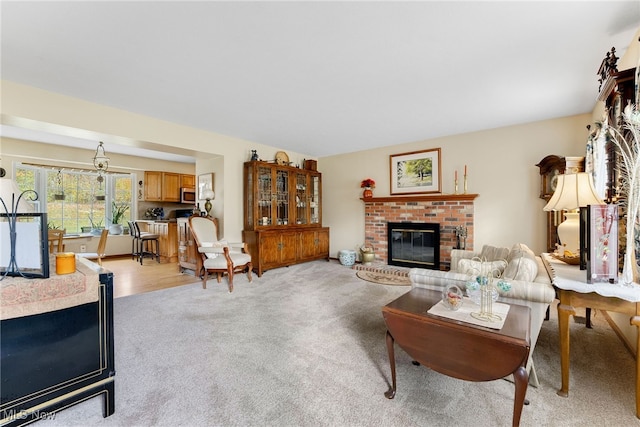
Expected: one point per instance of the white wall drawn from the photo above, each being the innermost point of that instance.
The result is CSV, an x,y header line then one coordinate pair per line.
x,y
501,164
35,107
501,170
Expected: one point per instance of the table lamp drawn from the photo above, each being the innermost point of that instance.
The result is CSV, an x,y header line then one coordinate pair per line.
x,y
208,195
572,192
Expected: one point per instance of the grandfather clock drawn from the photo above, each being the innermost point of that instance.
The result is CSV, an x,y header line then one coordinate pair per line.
x,y
550,167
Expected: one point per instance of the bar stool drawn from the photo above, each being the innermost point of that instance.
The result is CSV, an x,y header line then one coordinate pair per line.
x,y
147,242
135,240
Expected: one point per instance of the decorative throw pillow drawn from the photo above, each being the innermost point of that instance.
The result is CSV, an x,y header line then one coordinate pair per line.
x,y
216,244
522,264
473,267
493,253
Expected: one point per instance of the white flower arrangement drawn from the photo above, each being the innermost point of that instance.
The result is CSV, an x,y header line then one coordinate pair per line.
x,y
627,141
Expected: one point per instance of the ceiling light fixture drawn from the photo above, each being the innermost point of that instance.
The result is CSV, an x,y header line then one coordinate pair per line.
x,y
100,162
59,194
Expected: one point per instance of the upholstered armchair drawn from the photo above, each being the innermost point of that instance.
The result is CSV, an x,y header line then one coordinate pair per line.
x,y
218,256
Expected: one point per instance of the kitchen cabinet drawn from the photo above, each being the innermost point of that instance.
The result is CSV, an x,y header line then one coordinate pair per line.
x,y
170,187
161,186
283,215
187,181
153,186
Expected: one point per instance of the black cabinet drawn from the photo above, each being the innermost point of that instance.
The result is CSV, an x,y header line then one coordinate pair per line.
x,y
56,359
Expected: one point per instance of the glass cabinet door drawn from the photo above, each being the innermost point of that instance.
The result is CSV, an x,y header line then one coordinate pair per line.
x,y
265,193
314,199
282,197
302,216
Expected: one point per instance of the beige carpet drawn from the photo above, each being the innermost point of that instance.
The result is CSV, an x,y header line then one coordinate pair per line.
x,y
384,278
305,346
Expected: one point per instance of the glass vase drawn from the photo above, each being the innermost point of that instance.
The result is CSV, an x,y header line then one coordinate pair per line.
x,y
629,269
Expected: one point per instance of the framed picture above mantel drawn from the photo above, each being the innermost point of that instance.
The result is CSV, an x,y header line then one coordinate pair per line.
x,y
416,172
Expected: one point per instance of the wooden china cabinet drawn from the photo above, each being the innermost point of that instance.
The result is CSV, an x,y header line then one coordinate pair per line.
x,y
283,215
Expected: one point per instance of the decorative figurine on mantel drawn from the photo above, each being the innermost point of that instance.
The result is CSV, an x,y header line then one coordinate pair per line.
x,y
254,155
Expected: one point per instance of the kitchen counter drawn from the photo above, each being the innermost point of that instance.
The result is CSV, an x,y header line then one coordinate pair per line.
x,y
167,231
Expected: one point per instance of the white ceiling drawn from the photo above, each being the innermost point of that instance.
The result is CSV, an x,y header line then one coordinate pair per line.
x,y
321,78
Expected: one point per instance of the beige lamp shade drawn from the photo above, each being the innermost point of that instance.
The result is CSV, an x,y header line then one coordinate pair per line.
x,y
572,192
208,194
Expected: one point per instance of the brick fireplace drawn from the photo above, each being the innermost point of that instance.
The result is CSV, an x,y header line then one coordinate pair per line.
x,y
447,210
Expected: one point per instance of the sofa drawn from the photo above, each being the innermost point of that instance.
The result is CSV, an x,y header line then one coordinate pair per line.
x,y
518,265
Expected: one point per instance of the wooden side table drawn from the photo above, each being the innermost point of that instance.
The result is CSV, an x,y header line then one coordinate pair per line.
x,y
458,349
574,293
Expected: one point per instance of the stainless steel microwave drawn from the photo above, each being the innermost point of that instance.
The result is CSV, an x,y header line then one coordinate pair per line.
x,y
188,195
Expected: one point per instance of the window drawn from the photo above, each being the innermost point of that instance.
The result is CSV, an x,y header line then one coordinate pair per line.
x,y
74,200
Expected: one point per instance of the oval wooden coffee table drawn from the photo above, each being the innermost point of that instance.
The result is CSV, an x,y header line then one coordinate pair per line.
x,y
458,349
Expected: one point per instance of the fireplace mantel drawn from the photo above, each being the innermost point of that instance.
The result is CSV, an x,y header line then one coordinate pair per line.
x,y
427,198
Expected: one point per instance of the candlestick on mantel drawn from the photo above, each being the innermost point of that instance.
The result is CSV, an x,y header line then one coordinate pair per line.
x,y
465,184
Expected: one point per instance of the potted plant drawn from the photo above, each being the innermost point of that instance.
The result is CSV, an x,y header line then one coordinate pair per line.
x,y
117,214
96,226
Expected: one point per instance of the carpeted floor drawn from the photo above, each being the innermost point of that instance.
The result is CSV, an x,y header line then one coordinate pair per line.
x,y
305,346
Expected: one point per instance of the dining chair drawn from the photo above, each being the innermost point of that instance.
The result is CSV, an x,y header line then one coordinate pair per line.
x,y
56,244
99,254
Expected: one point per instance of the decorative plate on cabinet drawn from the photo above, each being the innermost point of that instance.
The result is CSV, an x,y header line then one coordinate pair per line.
x,y
282,158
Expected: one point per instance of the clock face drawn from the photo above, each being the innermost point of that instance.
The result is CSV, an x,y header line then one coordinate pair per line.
x,y
553,182
549,183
